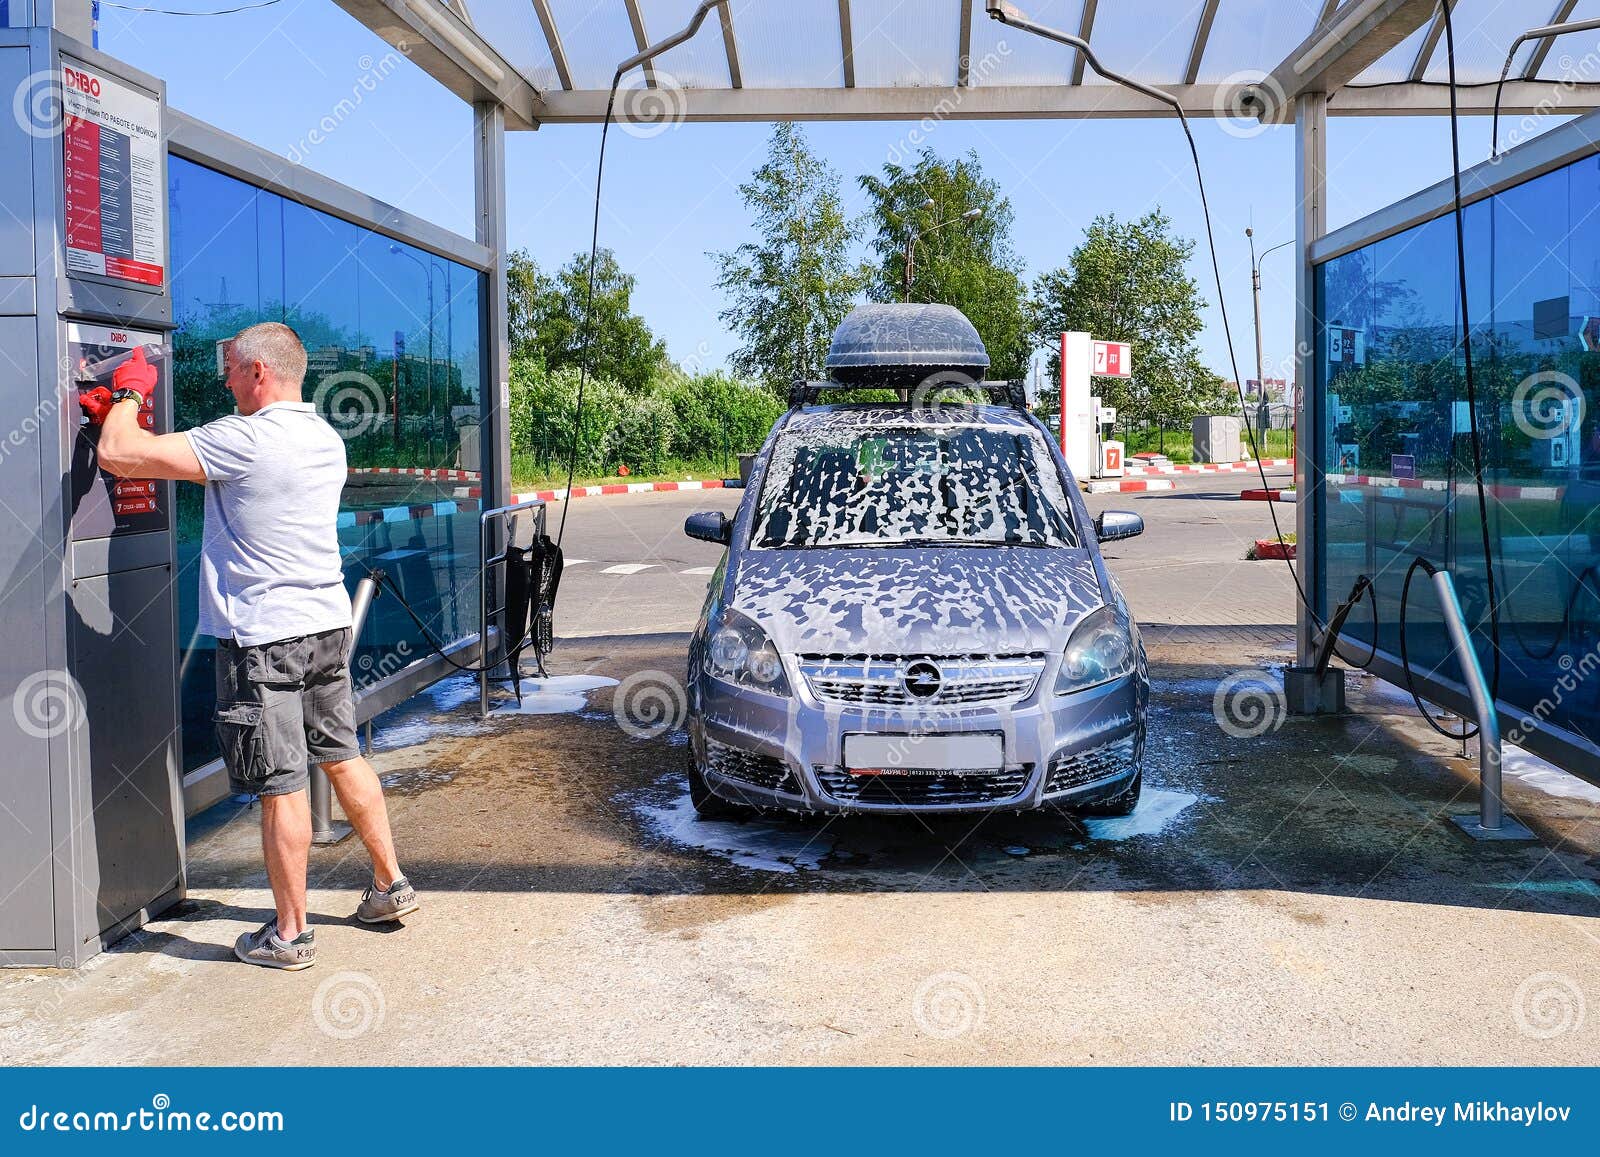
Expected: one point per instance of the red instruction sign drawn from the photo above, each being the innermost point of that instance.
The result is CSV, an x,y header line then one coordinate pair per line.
x,y
114,192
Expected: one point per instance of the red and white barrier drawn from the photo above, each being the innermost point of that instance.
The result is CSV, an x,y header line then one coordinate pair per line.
x,y
1206,467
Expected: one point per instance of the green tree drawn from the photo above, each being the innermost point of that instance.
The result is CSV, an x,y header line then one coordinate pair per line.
x,y
789,289
1128,280
961,252
546,318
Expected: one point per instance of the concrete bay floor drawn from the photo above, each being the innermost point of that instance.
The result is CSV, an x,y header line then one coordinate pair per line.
x,y
1292,897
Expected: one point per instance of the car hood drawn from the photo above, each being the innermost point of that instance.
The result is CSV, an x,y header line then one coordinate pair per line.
x,y
922,601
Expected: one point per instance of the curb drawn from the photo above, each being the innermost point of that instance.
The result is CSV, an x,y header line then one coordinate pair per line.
x,y
1205,467
1113,486
624,488
1259,495
349,518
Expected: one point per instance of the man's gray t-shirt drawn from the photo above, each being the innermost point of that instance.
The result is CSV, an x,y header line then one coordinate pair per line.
x,y
269,566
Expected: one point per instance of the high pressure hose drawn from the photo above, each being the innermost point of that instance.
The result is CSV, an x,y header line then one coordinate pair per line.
x,y
585,355
1008,14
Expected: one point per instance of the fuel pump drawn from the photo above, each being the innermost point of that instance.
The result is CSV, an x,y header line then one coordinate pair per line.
x,y
91,807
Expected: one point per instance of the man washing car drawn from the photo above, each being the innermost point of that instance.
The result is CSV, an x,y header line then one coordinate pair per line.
x,y
272,594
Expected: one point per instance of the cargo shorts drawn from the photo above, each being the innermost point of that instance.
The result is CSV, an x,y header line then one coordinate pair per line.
x,y
281,707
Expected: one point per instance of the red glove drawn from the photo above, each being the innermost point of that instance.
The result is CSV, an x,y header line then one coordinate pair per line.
x,y
96,403
136,374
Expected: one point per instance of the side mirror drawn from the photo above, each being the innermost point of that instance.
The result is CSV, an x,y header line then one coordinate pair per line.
x,y
1114,524
713,526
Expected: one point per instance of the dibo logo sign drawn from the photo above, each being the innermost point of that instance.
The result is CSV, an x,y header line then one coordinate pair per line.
x,y
81,81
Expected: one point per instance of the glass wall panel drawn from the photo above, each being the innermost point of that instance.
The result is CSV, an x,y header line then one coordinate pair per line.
x,y
1399,443
393,335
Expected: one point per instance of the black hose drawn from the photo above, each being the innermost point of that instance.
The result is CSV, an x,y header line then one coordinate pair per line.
x,y
1466,350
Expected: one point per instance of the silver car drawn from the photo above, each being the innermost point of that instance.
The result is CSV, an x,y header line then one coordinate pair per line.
x,y
913,615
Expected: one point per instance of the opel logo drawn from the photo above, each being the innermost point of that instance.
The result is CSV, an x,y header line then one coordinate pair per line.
x,y
922,680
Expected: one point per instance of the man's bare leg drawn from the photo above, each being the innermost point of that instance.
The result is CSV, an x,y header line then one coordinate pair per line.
x,y
360,794
286,843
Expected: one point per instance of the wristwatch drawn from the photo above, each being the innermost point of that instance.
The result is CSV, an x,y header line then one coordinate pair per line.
x,y
125,395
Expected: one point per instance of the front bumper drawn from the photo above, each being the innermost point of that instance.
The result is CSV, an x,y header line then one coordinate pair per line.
x,y
787,752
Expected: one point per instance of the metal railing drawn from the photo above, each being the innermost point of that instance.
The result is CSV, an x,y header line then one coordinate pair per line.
x,y
486,586
324,829
1490,822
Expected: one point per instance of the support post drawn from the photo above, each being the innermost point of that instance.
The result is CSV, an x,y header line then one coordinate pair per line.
x,y
1311,222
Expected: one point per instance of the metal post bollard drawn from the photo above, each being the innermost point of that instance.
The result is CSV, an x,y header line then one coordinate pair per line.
x,y
324,829
1490,822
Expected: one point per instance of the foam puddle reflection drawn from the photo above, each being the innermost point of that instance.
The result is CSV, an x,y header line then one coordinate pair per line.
x,y
557,695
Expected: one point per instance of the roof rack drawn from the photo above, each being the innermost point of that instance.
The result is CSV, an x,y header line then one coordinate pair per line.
x,y
1007,393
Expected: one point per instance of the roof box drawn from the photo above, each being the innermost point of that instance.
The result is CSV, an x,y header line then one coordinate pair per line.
x,y
891,345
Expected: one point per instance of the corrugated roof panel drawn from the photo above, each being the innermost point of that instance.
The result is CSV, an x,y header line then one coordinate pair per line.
x,y
1575,56
702,62
1002,55
1484,31
1394,66
513,30
1252,36
794,44
905,43
1147,39
595,34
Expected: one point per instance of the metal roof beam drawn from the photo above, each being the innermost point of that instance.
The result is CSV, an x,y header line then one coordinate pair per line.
x,y
1337,51
1541,50
552,37
1430,41
847,46
964,51
438,42
640,40
1085,27
1057,101
735,78
1202,33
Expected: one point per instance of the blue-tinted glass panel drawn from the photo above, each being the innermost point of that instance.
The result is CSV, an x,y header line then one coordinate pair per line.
x,y
1399,443
393,335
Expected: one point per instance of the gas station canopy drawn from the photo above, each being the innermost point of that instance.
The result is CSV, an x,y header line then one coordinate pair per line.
x,y
551,61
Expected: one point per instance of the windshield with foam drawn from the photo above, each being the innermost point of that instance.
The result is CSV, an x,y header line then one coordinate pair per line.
x,y
945,485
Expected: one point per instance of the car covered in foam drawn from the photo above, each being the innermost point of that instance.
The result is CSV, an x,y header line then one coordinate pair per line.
x,y
913,613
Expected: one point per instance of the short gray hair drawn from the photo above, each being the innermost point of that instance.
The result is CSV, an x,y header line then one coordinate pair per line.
x,y
275,346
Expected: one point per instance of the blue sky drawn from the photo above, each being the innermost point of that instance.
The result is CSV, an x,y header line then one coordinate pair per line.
x,y
271,75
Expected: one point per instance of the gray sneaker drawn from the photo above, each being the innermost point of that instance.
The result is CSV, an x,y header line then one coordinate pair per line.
x,y
381,907
264,947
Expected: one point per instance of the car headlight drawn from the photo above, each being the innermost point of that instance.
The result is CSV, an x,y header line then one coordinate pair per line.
x,y
1101,649
739,652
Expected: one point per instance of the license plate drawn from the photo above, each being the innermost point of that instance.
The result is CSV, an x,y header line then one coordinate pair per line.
x,y
914,754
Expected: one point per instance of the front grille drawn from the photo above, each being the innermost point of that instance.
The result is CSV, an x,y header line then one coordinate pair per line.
x,y
750,767
1074,769
924,790
881,680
